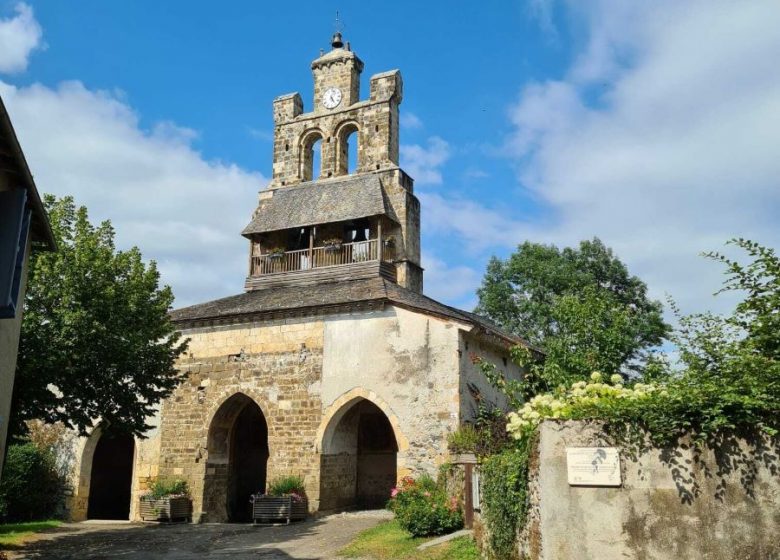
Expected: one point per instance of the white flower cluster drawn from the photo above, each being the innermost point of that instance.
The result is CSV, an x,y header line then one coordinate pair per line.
x,y
563,402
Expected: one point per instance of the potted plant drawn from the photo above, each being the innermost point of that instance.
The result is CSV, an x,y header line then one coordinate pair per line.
x,y
166,500
276,253
285,500
333,244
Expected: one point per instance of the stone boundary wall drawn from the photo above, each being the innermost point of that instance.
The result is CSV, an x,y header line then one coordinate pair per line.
x,y
722,503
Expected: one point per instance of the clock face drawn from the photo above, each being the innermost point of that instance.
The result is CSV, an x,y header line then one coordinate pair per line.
x,y
331,98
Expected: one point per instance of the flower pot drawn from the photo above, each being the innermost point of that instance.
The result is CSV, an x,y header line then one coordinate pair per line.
x,y
270,509
335,248
166,509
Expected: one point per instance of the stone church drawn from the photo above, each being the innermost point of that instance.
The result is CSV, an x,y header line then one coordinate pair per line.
x,y
332,365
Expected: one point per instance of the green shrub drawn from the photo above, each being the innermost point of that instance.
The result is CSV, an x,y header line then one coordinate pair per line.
x,y
422,508
31,487
463,440
504,500
167,488
286,485
487,434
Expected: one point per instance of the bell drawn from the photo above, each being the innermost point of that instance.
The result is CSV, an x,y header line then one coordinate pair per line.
x,y
336,42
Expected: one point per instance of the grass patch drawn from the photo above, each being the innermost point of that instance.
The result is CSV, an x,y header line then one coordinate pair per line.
x,y
388,541
13,535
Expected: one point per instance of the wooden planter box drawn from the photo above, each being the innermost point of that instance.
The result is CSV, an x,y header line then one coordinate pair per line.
x,y
166,509
270,509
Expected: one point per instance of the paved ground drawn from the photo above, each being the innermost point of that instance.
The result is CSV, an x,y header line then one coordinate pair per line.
x,y
315,539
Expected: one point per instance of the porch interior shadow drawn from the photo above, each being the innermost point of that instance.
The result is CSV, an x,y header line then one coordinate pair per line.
x,y
111,478
248,461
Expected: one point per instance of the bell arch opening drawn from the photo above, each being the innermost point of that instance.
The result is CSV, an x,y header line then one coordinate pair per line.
x,y
237,461
111,477
359,458
348,153
311,155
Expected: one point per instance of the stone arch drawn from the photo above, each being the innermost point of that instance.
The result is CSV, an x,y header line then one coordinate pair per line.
x,y
359,442
337,409
104,490
306,150
237,455
344,132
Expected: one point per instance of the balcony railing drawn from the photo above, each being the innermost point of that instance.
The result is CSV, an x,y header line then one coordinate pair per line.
x,y
319,257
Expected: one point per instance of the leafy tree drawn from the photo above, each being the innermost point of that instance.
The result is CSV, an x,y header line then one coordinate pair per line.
x,y
732,364
581,305
758,315
96,339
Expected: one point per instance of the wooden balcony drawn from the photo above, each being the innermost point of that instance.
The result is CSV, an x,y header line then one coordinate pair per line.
x,y
306,266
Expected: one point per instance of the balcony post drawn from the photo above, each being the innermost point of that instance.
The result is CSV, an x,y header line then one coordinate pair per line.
x,y
380,250
251,257
311,247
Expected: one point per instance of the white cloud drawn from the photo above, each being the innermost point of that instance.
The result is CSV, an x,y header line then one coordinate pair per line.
x,y
679,152
661,138
410,121
158,191
19,36
542,12
471,227
454,284
424,163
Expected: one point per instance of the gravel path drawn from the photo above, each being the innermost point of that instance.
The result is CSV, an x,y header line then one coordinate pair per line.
x,y
314,539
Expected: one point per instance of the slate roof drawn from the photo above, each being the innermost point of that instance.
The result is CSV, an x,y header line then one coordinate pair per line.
x,y
326,295
319,202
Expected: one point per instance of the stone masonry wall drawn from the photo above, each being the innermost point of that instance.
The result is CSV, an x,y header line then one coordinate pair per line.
x,y
376,120
474,386
276,364
717,504
409,362
306,375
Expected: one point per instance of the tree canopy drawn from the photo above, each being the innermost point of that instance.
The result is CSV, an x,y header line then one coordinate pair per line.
x,y
580,305
96,341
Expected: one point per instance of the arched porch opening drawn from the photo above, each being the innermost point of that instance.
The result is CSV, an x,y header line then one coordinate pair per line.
x,y
359,458
237,459
111,477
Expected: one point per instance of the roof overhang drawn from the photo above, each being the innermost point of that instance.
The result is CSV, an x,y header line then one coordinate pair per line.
x,y
15,163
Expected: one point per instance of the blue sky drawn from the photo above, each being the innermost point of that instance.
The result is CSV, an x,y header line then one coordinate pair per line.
x,y
651,125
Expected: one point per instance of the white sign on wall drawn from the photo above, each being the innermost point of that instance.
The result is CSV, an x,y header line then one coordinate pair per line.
x,y
593,466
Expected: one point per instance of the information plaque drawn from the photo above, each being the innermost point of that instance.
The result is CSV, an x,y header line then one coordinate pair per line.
x,y
593,466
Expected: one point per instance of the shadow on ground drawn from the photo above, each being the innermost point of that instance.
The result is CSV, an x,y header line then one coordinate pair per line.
x,y
314,539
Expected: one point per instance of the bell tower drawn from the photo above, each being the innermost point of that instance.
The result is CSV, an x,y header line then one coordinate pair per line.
x,y
315,225
337,70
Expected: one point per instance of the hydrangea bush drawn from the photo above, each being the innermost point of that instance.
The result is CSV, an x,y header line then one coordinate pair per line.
x,y
582,399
